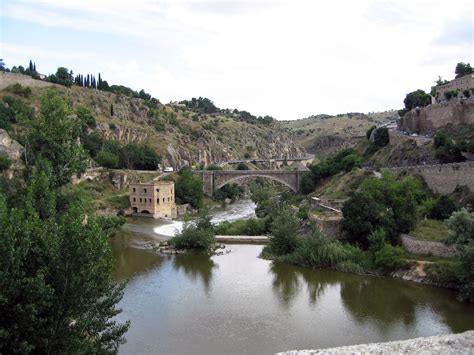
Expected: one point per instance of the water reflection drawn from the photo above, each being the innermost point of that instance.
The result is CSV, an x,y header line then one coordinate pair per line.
x,y
286,284
196,267
374,299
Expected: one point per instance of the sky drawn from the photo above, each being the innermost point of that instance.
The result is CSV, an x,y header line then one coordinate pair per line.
x,y
285,58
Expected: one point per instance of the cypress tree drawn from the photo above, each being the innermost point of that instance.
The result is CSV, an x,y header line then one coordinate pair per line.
x,y
30,66
34,67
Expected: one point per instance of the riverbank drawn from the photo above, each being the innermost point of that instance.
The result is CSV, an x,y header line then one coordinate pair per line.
x,y
458,344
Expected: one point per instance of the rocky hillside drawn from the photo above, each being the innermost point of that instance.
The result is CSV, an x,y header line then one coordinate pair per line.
x,y
325,134
179,135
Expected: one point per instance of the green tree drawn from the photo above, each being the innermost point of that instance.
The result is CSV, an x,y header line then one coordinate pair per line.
x,y
306,183
381,137
443,207
198,236
55,137
417,98
283,239
56,290
461,233
189,188
463,69
5,162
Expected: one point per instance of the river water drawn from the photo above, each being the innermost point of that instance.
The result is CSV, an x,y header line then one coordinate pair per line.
x,y
238,303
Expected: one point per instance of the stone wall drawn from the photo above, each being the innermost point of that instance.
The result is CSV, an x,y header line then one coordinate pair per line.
x,y
427,247
443,178
328,224
429,119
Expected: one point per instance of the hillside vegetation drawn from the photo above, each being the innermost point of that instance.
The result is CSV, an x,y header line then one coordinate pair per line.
x,y
325,134
180,133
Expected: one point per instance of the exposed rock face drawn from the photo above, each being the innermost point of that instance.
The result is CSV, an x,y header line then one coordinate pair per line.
x,y
13,150
429,119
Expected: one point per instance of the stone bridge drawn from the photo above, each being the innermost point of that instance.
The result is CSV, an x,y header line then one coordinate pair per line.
x,y
215,179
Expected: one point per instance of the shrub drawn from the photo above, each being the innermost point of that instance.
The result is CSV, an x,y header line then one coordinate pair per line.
x,y
381,137
5,162
445,272
242,166
369,132
107,160
20,90
390,258
443,208
199,236
284,229
252,226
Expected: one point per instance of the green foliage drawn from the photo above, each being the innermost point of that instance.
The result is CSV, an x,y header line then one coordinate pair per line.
x,y
93,143
461,228
231,191
345,160
242,166
85,117
417,98
448,150
463,69
19,90
251,226
202,105
389,203
448,95
199,236
5,162
306,183
189,189
443,207
213,167
17,110
110,224
390,258
369,132
54,137
284,229
444,272
107,160
381,137
57,293
139,157
461,233
63,77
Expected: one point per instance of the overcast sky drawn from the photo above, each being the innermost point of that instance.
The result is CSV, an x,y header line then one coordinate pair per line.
x,y
288,59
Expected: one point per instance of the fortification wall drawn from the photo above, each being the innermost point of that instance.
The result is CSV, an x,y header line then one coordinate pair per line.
x,y
427,247
7,79
429,119
444,178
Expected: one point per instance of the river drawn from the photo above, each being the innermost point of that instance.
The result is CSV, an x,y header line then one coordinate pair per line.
x,y
238,303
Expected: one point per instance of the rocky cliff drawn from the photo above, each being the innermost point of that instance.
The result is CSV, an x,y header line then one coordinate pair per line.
x,y
427,120
179,135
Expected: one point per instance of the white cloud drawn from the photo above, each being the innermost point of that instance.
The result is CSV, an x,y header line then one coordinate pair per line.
x,y
285,58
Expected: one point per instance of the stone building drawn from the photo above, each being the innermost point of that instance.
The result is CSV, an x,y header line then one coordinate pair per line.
x,y
465,82
156,199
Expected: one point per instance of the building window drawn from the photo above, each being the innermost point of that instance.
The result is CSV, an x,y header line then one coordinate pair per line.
x,y
144,190
158,201
150,200
134,189
140,199
157,190
134,199
168,199
163,199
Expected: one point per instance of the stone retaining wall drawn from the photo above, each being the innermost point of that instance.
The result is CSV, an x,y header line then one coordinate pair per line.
x,y
443,178
427,247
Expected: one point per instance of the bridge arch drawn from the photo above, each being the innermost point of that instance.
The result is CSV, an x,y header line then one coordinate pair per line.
x,y
236,178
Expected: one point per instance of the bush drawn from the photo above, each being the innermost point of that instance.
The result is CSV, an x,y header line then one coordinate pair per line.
x,y
252,226
5,162
369,132
283,239
242,166
443,208
445,272
390,258
189,188
381,137
20,90
199,236
107,160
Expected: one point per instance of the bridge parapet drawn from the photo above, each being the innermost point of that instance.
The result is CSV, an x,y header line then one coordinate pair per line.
x,y
215,179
